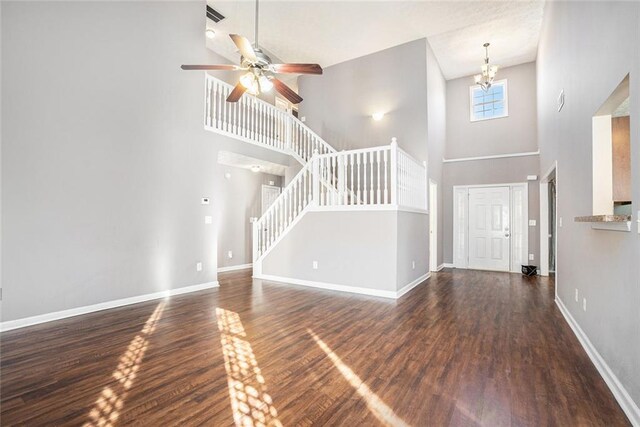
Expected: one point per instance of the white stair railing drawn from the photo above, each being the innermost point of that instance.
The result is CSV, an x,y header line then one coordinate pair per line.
x,y
258,122
282,213
370,178
355,178
411,181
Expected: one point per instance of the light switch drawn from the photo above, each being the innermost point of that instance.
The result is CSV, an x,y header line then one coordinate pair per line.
x,y
638,221
230,254
208,219
199,266
560,222
532,223
315,265
531,257
303,119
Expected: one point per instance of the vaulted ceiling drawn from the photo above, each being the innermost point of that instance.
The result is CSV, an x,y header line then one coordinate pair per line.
x,y
330,32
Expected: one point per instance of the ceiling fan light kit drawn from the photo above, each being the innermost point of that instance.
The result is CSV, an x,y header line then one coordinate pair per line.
x,y
260,70
488,72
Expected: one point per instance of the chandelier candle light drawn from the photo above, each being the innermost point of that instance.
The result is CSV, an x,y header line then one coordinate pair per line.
x,y
488,72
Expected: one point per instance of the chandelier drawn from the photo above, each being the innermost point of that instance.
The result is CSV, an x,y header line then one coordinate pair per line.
x,y
488,72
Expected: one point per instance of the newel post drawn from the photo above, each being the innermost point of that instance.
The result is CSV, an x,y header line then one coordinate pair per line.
x,y
394,171
315,176
289,132
256,236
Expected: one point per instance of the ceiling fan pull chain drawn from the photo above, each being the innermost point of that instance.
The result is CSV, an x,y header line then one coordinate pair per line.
x,y
256,35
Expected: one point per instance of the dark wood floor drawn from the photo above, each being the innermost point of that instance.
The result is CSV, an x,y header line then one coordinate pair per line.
x,y
464,348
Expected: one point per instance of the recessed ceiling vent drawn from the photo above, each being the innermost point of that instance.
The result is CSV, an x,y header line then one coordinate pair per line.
x,y
214,15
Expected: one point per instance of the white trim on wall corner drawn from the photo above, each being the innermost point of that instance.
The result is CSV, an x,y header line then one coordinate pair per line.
x,y
49,317
497,156
235,267
440,267
403,290
345,288
627,404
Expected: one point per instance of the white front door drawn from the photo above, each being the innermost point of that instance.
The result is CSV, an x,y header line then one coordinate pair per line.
x,y
489,228
269,195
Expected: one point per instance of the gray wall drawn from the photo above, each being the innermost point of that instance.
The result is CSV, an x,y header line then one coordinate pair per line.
x,y
436,136
494,171
412,245
513,134
104,155
603,265
378,253
368,261
338,105
240,197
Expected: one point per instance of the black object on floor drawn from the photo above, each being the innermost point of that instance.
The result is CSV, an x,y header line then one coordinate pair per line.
x,y
529,270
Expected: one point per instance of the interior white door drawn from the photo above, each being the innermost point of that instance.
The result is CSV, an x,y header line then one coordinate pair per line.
x,y
489,228
269,195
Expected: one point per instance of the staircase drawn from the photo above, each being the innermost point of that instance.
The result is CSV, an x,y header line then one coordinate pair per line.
x,y
377,178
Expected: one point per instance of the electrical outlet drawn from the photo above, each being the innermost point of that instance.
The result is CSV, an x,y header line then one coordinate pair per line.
x,y
584,304
227,176
198,266
577,295
303,119
531,257
272,183
230,254
208,219
560,222
315,265
204,201
532,223
413,265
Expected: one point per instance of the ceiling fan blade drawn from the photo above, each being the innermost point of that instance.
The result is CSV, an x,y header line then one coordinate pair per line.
x,y
211,67
297,68
286,91
245,48
236,93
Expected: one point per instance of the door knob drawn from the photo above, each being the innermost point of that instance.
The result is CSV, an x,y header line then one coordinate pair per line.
x,y
506,234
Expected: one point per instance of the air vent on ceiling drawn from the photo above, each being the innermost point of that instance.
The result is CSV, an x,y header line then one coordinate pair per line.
x,y
214,15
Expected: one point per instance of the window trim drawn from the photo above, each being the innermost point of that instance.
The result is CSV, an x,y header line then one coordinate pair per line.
x,y
506,102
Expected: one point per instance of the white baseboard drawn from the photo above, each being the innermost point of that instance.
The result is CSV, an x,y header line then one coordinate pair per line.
x,y
235,267
447,265
49,317
412,285
627,404
344,288
440,267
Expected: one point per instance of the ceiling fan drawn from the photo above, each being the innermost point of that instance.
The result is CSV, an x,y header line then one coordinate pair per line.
x,y
260,70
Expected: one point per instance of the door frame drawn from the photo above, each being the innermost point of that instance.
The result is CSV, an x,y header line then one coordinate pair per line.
x,y
544,219
265,186
433,225
461,223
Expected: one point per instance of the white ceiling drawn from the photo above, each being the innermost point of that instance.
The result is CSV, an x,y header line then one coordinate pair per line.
x,y
330,32
238,160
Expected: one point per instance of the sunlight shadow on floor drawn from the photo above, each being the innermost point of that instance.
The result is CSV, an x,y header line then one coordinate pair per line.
x,y
251,404
108,406
377,407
